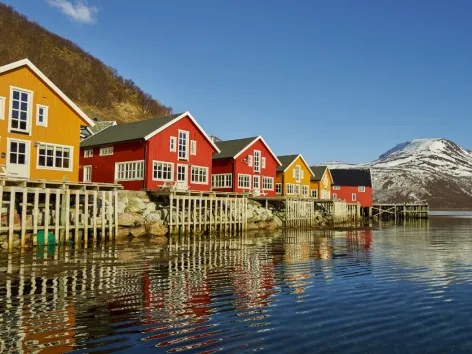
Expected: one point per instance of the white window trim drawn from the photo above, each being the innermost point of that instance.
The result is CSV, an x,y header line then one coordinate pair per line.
x,y
258,152
224,179
207,174
335,196
3,101
193,147
267,178
278,184
336,188
315,192
88,153
171,171
287,188
28,147
250,181
354,197
173,141
102,149
46,115
361,189
263,162
71,159
124,163
29,113
307,188
249,161
187,152
83,174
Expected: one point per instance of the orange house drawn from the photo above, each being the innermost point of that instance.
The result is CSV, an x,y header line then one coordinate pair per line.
x,y
321,182
39,126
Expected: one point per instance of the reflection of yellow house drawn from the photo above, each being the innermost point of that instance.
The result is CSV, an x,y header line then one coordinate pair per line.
x,y
293,177
321,182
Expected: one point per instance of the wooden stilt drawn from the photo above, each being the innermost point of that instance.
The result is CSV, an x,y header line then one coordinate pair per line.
x,y
67,235
11,218
35,211
46,216
94,216
103,212
77,215
24,202
57,216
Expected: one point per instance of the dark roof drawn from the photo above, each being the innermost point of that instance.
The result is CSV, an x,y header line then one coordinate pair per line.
x,y
100,125
128,131
318,171
351,177
230,148
286,161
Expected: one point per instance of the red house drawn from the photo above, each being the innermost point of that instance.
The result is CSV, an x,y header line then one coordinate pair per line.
x,y
353,186
171,151
245,165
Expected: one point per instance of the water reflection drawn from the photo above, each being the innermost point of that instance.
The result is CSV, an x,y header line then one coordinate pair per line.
x,y
297,291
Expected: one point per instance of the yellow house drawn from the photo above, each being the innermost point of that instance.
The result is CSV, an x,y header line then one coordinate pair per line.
x,y
293,177
321,182
39,126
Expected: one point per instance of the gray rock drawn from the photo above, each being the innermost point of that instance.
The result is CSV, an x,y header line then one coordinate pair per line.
x,y
121,207
138,231
157,229
278,221
128,220
152,218
151,207
137,202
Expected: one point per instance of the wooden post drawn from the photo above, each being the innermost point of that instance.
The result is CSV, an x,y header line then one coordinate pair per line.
x,y
67,215
205,213
35,211
110,214
103,212
46,216
189,214
177,213
57,216
23,217
76,225
86,217
116,214
94,216
11,218
171,212
194,215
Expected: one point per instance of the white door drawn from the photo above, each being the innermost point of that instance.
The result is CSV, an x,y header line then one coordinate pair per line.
x,y
182,177
87,173
256,185
18,158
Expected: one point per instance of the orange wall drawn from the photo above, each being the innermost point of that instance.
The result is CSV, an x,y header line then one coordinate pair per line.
x,y
63,123
287,177
320,186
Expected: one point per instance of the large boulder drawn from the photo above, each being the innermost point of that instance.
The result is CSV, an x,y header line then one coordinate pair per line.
x,y
123,233
137,203
152,218
138,231
129,220
157,229
121,207
278,221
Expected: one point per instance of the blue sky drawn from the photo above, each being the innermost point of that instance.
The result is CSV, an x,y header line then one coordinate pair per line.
x,y
333,80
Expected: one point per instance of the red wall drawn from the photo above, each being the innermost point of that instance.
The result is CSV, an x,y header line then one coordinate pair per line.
x,y
345,193
159,150
225,166
103,167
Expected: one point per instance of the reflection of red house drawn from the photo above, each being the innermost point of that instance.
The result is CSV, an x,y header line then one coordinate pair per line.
x,y
352,185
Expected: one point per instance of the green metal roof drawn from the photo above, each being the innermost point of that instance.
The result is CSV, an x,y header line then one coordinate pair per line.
x,y
230,148
286,161
318,171
127,132
100,125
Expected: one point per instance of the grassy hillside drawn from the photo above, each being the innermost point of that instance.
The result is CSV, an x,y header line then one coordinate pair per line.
x,y
98,89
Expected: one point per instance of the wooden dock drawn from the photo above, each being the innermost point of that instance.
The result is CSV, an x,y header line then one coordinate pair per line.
x,y
405,211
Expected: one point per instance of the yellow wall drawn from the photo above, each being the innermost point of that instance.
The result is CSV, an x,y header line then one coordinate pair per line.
x,y
63,123
320,186
287,177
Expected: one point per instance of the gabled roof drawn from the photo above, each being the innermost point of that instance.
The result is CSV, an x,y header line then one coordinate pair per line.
x,y
288,160
231,149
143,129
103,124
319,171
351,177
33,68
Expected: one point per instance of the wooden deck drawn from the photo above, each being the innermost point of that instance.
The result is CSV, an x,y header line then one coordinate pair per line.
x,y
400,211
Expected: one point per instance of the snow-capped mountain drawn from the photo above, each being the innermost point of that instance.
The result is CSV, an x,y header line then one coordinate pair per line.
x,y
434,170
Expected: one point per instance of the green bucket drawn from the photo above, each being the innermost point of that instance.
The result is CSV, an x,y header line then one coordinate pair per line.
x,y
40,238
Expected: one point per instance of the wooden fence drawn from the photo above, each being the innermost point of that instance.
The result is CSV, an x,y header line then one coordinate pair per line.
x,y
299,213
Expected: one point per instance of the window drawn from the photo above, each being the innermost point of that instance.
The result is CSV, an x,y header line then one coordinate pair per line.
x,y
278,188
244,181
88,153
182,173
2,107
336,188
87,173
55,157
297,189
268,183
353,197
257,161
42,115
296,173
193,147
290,188
263,162
256,181
314,193
183,145
163,171
361,189
106,151
129,171
173,141
20,110
222,180
249,160
17,153
305,190
199,175
335,196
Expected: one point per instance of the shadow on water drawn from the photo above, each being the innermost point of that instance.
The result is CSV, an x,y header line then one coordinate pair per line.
x,y
392,289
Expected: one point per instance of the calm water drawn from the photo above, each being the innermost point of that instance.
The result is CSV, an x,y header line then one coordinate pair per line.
x,y
399,289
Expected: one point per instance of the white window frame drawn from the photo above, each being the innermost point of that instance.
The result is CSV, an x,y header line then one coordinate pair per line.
x,y
88,153
258,179
297,173
278,188
106,151
335,196
314,193
297,190
187,137
193,148
354,197
84,179
305,190
267,181
249,160
155,164
53,168
222,180
199,168
361,189
263,162
29,112
3,101
336,188
45,115
173,144
124,163
290,188
248,180
257,161
184,168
